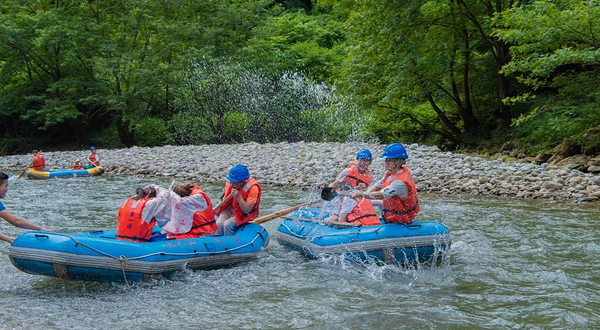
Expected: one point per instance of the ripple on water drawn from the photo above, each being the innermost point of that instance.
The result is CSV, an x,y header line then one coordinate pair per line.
x,y
513,264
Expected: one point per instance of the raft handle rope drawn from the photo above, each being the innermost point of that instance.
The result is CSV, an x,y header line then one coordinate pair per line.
x,y
360,231
124,260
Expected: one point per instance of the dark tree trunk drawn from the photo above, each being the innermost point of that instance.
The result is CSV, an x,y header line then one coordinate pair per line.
x,y
469,118
504,112
126,136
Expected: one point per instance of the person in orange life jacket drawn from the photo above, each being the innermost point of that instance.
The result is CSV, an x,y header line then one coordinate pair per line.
x,y
78,165
355,176
133,224
240,203
93,157
192,214
38,163
355,212
357,173
396,192
11,218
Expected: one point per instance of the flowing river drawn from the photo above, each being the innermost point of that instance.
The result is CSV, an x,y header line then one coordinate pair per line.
x,y
514,264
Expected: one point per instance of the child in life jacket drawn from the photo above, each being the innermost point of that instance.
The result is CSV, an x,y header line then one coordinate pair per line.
x,y
78,165
192,213
355,212
357,173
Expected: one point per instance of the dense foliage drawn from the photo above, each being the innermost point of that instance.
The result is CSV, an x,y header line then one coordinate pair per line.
x,y
460,73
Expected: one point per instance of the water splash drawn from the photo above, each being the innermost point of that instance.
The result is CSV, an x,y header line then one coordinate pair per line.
x,y
224,101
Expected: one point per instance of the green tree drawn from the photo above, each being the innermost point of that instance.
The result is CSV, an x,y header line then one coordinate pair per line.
x,y
551,40
555,51
440,53
298,42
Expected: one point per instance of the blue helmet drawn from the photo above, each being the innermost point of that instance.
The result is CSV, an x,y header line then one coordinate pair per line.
x,y
92,148
238,173
364,154
395,150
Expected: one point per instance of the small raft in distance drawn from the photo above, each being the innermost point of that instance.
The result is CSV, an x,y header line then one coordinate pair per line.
x,y
418,242
64,173
98,256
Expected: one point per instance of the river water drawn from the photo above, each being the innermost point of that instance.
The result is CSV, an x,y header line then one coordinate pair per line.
x,y
514,264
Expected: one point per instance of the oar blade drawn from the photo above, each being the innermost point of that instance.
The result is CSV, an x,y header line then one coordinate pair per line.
x,y
328,194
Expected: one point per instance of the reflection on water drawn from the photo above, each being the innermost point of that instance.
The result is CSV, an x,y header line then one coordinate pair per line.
x,y
513,264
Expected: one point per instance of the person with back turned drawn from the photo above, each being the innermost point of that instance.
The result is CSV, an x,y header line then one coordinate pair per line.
x,y
38,163
11,218
240,202
133,221
396,192
192,214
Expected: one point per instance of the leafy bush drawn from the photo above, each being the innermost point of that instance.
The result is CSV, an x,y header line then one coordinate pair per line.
x,y
150,132
568,115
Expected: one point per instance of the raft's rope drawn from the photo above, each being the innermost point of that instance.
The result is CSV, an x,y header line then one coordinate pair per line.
x,y
124,260
292,233
360,231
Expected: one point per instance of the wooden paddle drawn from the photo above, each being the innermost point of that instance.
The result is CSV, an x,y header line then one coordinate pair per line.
x,y
25,170
221,203
278,214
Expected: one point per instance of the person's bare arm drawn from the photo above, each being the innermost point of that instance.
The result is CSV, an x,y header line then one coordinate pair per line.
x,y
20,222
6,238
245,206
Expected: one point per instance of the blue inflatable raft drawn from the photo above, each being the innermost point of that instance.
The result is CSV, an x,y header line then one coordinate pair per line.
x,y
98,256
64,173
406,245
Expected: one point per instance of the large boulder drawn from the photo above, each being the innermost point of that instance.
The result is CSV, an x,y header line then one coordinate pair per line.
x,y
594,165
566,149
577,162
592,141
542,158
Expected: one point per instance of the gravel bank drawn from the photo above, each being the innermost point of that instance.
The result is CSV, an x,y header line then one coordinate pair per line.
x,y
316,164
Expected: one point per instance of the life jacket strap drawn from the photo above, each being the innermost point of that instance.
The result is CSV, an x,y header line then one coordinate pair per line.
x,y
204,224
134,238
355,178
363,216
401,212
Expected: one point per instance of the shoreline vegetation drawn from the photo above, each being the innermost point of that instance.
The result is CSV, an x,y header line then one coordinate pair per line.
x,y
461,75
309,165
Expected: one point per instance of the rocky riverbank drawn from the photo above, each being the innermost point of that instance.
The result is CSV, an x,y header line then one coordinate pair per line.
x,y
316,164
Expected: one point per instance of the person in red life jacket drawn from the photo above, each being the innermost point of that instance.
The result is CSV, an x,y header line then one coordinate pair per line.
x,y
396,192
357,173
240,203
11,218
78,165
192,213
93,158
39,163
132,223
355,212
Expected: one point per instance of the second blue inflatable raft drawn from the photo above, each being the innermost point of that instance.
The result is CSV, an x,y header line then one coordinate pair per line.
x,y
417,242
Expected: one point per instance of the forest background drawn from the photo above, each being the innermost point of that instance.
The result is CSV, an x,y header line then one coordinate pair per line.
x,y
473,75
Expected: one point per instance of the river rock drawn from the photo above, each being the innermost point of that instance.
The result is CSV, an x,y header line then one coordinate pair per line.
x,y
312,165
